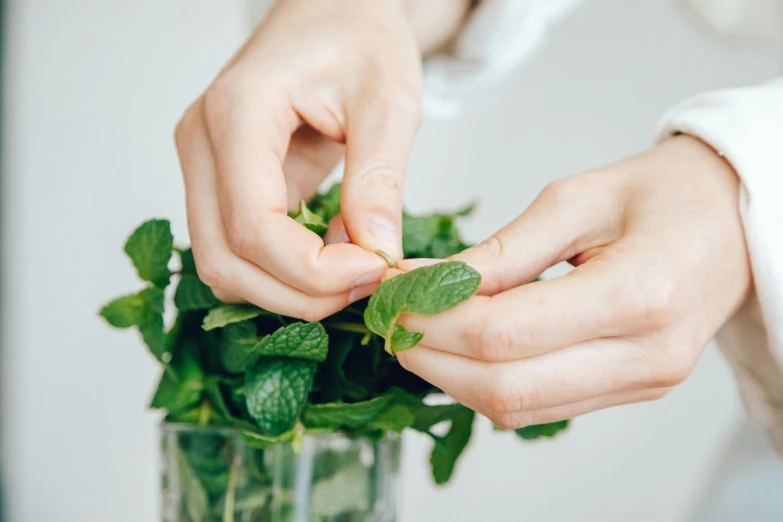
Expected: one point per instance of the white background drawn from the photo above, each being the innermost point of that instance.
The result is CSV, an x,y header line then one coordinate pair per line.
x,y
94,89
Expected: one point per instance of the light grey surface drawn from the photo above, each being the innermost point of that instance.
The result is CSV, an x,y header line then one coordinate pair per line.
x,y
94,91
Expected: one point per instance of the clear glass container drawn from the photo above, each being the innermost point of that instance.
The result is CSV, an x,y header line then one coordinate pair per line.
x,y
210,475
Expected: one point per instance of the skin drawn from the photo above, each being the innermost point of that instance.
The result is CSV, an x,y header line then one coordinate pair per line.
x,y
317,81
656,239
660,264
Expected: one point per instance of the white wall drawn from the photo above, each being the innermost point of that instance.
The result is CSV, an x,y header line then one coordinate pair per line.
x,y
94,89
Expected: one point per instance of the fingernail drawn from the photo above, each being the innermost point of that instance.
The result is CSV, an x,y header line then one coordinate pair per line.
x,y
385,232
361,292
370,277
410,264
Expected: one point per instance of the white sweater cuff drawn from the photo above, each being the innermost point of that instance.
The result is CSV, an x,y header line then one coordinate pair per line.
x,y
746,126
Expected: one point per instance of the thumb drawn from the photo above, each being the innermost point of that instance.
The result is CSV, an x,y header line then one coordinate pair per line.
x,y
565,220
379,136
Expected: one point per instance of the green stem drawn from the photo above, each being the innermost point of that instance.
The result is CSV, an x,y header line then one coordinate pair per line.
x,y
231,490
204,414
347,327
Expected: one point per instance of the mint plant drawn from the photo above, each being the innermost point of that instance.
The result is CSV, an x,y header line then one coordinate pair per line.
x,y
274,379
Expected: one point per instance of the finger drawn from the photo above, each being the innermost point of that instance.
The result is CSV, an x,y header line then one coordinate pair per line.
x,y
379,136
599,299
336,232
249,131
516,420
569,216
571,375
230,275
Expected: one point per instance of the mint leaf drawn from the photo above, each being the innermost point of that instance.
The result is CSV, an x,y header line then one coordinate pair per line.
x,y
301,340
150,247
192,294
236,346
227,314
183,392
309,219
124,311
150,321
188,263
276,391
541,430
327,205
427,290
396,418
335,384
449,447
355,415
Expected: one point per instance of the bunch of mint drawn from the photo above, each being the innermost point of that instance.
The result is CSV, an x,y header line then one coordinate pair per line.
x,y
275,378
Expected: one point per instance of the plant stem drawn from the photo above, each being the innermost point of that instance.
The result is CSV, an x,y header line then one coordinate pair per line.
x,y
231,489
347,327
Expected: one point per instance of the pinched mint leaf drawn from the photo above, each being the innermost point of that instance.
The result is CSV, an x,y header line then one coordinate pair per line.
x,y
309,219
226,314
449,447
428,290
327,205
236,346
150,247
124,311
276,390
403,339
542,430
192,294
355,415
301,340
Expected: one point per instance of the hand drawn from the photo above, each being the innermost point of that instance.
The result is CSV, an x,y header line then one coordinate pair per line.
x,y
661,264
271,127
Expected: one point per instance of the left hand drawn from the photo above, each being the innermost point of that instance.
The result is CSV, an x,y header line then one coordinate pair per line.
x,y
661,264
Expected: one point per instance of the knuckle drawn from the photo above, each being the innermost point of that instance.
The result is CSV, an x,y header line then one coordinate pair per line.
x,y
501,394
513,421
187,125
563,190
655,307
495,341
208,269
224,296
241,238
221,96
669,370
491,248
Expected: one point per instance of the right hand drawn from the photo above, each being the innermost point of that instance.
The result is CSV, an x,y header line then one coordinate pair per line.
x,y
271,127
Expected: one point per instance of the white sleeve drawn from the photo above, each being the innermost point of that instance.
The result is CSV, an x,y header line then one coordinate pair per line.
x,y
745,125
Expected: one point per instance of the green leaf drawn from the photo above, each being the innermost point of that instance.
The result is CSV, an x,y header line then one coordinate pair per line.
x,y
188,263
309,219
276,391
327,205
403,340
227,314
542,430
193,492
335,384
192,294
150,321
237,344
183,392
355,415
449,447
396,418
124,311
427,290
301,340
150,247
